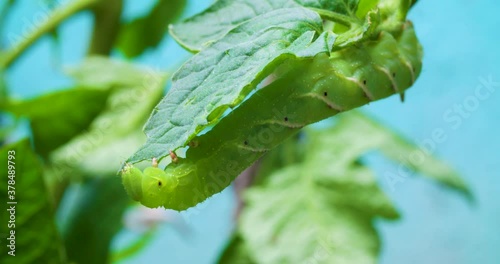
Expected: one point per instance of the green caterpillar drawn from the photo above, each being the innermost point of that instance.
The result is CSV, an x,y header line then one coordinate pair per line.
x,y
307,92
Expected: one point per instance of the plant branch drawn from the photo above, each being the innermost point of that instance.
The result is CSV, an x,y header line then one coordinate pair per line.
x,y
336,17
106,26
3,14
241,183
58,16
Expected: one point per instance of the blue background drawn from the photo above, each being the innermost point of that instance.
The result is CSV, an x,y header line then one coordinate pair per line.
x,y
461,42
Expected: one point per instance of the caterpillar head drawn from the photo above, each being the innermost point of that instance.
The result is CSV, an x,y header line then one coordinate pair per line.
x,y
151,187
132,181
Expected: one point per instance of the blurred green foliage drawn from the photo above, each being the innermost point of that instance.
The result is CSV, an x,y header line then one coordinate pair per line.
x,y
51,123
320,206
147,31
313,198
92,223
36,237
82,136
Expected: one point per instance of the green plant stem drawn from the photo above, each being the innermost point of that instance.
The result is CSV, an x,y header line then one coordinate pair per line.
x,y
106,26
336,17
58,16
3,14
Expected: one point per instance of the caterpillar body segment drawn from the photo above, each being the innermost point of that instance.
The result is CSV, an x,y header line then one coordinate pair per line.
x,y
311,90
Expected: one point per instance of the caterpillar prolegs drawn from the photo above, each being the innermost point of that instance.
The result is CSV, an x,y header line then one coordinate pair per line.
x,y
308,92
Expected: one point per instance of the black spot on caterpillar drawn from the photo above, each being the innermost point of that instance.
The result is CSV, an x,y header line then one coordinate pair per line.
x,y
353,76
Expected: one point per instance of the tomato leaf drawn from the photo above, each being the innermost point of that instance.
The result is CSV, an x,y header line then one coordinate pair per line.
x,y
115,132
36,236
57,117
332,197
222,75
